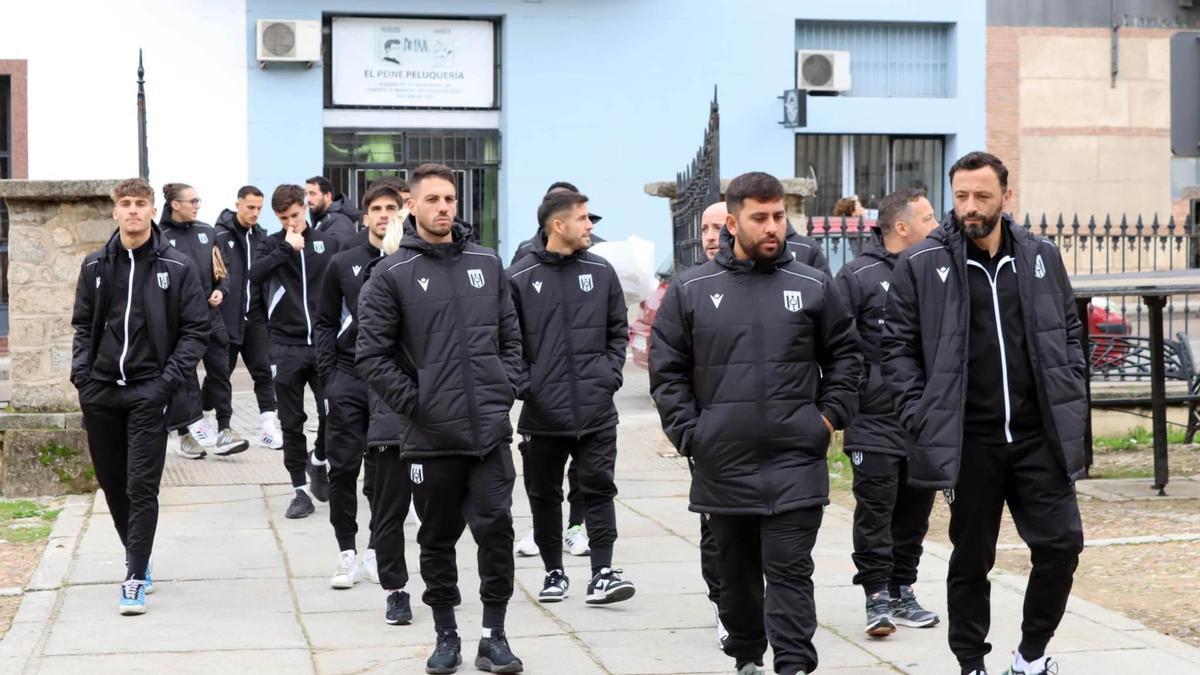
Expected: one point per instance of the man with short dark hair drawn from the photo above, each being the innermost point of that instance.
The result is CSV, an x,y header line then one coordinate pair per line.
x,y
890,517
982,349
141,326
573,324
238,236
754,362
329,215
438,340
345,394
290,267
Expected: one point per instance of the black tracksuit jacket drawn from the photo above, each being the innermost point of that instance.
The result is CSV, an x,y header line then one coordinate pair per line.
x,y
336,223
574,330
925,349
174,314
196,240
336,328
745,359
438,340
805,250
243,299
864,284
291,283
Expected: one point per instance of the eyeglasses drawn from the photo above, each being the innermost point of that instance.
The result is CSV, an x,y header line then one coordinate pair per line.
x,y
193,202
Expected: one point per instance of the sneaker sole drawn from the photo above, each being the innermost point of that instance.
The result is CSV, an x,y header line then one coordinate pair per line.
x,y
880,630
909,623
342,585
232,449
485,664
298,517
196,456
551,599
526,554
586,551
132,611
444,671
617,595
397,622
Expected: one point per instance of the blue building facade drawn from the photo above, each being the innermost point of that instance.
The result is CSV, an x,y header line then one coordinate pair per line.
x,y
612,95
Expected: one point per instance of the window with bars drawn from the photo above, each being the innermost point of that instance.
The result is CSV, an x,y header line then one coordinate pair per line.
x,y
869,166
887,59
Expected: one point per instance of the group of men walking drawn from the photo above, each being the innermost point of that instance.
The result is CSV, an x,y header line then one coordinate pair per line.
x,y
414,341
951,356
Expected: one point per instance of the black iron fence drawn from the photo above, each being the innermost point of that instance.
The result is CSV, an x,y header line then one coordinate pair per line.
x,y
696,187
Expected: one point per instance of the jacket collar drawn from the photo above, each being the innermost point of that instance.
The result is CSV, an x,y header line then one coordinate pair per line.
x,y
155,247
460,235
725,258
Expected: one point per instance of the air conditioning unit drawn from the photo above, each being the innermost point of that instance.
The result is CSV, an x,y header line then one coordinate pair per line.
x,y
288,41
822,70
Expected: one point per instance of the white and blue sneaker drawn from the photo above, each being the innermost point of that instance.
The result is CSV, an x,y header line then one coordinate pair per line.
x,y
133,597
149,581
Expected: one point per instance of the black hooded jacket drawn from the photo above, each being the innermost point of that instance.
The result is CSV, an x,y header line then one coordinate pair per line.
x,y
806,250
925,349
172,307
291,283
438,340
336,328
864,284
196,240
574,330
387,427
243,299
336,221
745,360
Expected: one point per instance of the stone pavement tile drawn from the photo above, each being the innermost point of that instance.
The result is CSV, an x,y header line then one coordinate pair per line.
x,y
657,549
291,661
1125,661
671,513
545,655
240,554
314,595
649,652
52,569
637,613
363,629
189,616
36,607
631,524
209,494
660,578
669,485
376,660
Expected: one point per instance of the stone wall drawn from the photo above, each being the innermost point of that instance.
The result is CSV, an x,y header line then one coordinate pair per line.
x,y
52,226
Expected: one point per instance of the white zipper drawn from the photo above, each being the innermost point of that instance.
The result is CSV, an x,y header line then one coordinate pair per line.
x,y
247,272
1000,339
128,304
304,296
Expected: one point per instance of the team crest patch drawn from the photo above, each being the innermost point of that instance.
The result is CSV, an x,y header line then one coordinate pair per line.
x,y
1039,267
856,457
417,473
202,237
585,283
792,301
475,277
319,246
164,280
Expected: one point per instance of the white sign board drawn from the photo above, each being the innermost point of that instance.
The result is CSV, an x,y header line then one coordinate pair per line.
x,y
414,63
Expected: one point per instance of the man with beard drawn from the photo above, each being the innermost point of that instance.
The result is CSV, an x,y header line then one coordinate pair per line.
x,y
438,340
754,362
890,517
328,215
573,324
141,325
346,407
238,236
982,351
290,267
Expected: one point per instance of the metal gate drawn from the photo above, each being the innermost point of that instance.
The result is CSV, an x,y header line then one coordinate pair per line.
x,y
696,187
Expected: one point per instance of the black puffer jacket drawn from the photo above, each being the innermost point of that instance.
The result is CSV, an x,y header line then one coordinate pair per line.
x,y
438,339
196,240
243,299
806,250
171,301
925,349
574,328
291,283
336,328
744,361
864,284
387,427
335,222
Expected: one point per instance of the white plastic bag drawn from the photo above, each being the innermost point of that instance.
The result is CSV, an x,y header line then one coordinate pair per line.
x,y
633,259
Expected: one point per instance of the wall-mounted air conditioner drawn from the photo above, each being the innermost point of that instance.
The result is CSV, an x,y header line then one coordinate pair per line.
x,y
822,70
288,41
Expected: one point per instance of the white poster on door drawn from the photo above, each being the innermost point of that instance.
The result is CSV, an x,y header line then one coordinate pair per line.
x,y
414,63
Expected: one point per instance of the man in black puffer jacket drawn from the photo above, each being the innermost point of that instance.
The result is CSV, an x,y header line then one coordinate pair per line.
x,y
573,326
346,407
890,517
754,362
327,216
141,325
805,249
438,340
982,351
290,267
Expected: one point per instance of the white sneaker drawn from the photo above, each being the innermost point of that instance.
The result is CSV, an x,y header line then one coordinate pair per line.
x,y
347,571
575,541
188,448
722,634
526,547
205,438
269,435
209,420
370,568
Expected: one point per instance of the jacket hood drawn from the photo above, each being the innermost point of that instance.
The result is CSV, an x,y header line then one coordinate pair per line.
x,y
158,244
725,258
460,234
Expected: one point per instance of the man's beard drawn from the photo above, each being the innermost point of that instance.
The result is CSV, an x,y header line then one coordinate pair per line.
x,y
983,229
754,249
437,230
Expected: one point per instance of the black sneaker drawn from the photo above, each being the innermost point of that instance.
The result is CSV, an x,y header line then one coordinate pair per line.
x,y
399,612
318,479
906,611
301,506
554,588
447,655
608,587
879,615
495,656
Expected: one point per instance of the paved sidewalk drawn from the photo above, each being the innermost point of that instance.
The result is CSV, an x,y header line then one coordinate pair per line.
x,y
241,589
